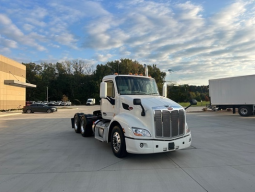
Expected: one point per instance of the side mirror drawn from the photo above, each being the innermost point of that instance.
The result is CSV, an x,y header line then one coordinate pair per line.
x,y
137,101
193,102
103,90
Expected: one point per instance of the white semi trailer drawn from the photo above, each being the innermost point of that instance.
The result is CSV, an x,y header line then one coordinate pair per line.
x,y
234,92
135,118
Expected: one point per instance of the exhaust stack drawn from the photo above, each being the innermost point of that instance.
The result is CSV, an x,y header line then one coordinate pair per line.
x,y
164,90
146,70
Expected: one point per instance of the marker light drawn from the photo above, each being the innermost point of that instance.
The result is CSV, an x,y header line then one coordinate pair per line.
x,y
187,129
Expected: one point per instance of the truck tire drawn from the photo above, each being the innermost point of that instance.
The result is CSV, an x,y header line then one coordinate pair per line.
x,y
118,142
77,123
245,110
86,126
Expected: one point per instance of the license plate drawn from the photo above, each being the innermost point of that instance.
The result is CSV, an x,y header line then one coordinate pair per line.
x,y
170,146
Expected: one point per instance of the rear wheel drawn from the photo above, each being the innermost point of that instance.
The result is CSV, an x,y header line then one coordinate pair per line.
x,y
77,123
86,126
245,111
29,111
118,142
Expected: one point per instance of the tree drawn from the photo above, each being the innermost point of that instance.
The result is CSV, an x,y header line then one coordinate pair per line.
x,y
78,80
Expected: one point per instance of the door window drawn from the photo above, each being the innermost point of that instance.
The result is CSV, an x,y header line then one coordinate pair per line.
x,y
110,89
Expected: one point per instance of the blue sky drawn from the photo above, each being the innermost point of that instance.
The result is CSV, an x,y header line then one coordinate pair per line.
x,y
198,39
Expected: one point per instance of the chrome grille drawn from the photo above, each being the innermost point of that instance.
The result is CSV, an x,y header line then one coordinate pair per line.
x,y
169,123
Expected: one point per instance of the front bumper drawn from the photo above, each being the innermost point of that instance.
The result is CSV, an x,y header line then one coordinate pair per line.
x,y
156,146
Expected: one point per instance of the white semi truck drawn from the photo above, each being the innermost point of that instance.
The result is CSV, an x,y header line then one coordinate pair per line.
x,y
135,118
234,92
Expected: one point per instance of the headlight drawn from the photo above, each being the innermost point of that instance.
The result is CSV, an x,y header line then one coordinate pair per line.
x,y
141,132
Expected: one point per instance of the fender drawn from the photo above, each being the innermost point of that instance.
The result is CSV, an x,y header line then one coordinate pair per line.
x,y
127,121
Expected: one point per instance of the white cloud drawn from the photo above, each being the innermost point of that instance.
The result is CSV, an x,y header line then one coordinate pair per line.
x,y
7,43
11,31
168,33
103,58
28,27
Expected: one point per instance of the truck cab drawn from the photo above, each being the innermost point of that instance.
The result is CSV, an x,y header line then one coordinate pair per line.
x,y
136,119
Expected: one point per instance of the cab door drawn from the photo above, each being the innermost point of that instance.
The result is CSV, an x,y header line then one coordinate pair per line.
x,y
108,103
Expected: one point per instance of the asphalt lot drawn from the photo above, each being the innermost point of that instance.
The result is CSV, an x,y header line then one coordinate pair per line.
x,y
41,153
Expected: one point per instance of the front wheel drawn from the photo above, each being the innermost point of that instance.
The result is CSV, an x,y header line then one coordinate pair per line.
x,y
48,111
118,142
245,111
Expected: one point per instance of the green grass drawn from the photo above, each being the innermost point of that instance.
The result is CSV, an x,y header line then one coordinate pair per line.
x,y
199,104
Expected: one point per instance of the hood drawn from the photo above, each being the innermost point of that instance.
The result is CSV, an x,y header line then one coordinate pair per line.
x,y
149,101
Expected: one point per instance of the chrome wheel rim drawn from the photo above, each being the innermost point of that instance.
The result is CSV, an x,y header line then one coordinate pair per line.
x,y
116,141
75,124
244,111
82,128
28,111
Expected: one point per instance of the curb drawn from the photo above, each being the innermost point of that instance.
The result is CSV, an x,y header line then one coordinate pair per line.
x,y
4,115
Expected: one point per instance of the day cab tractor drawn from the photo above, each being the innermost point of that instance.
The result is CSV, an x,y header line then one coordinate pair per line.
x,y
134,118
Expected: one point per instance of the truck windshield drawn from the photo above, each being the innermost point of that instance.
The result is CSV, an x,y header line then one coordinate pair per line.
x,y
136,86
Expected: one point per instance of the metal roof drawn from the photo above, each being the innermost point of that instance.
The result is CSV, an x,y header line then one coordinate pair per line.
x,y
18,83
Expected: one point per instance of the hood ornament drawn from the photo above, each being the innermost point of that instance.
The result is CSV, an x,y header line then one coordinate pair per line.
x,y
168,107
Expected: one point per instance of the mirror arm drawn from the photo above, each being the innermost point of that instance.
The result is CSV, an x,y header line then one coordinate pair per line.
x,y
143,111
187,107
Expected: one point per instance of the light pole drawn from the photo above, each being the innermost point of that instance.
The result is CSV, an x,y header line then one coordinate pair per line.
x,y
47,94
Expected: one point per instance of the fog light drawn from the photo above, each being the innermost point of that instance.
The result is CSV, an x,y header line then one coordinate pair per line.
x,y
141,145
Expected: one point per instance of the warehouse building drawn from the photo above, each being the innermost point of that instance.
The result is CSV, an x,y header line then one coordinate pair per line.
x,y
12,84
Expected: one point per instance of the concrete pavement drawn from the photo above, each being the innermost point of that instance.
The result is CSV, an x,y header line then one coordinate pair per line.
x,y
40,152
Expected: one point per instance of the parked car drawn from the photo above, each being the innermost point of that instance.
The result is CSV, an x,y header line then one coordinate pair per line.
x,y
39,108
69,103
45,102
58,103
63,103
51,103
29,103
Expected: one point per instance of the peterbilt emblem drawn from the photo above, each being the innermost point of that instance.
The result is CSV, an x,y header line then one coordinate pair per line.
x,y
168,107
